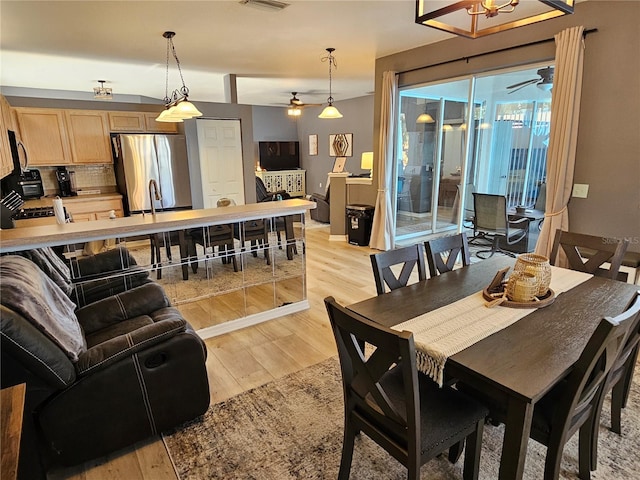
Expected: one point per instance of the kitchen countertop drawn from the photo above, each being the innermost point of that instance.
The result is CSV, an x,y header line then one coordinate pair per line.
x,y
25,238
48,201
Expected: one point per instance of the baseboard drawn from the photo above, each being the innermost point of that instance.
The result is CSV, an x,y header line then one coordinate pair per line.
x,y
254,319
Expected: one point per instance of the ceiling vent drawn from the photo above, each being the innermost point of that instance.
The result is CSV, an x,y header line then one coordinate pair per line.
x,y
265,4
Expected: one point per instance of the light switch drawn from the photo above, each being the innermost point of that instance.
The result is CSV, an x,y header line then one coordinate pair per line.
x,y
320,184
580,190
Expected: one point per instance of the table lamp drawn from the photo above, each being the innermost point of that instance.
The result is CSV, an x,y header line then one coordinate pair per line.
x,y
366,162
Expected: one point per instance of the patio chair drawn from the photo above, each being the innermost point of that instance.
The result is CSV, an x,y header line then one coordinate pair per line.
x,y
492,222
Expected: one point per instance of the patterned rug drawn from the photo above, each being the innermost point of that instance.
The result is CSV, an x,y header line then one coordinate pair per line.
x,y
292,428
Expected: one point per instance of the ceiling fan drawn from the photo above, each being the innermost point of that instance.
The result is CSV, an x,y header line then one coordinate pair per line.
x,y
295,102
544,82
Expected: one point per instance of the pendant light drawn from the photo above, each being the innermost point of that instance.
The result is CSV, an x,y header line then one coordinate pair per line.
x,y
330,111
177,106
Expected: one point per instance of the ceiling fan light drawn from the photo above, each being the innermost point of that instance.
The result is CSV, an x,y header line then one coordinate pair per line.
x,y
546,86
294,112
330,112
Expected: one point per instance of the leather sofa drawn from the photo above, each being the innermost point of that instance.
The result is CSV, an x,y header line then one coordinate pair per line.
x,y
100,377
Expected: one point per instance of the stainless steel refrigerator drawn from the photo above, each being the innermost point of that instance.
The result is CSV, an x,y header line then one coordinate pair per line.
x,y
140,158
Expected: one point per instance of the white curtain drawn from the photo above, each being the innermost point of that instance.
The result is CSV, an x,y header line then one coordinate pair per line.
x,y
382,227
565,112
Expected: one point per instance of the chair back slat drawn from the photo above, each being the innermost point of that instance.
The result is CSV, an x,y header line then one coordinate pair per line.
x,y
490,211
601,250
443,252
361,375
409,258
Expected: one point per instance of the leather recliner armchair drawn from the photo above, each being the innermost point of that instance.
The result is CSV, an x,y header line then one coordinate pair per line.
x,y
141,370
322,210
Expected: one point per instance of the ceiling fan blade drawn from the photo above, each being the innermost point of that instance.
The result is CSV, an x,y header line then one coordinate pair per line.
x,y
521,87
521,84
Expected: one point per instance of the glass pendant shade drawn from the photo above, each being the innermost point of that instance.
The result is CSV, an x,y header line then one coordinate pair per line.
x,y
330,112
168,116
186,110
425,118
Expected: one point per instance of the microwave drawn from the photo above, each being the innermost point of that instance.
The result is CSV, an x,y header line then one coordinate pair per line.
x,y
27,184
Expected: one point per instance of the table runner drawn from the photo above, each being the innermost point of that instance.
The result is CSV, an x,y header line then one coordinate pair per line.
x,y
450,329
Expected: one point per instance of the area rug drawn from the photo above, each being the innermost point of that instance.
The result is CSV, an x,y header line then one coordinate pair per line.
x,y
292,428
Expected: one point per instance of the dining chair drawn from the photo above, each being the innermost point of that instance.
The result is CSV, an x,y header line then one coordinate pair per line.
x,y
573,404
404,259
443,252
620,378
403,411
493,223
601,250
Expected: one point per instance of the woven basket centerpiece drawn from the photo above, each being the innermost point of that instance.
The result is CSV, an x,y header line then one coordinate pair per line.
x,y
537,265
522,287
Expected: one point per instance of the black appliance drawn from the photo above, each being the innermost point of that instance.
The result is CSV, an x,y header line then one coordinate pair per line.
x,y
64,182
279,155
25,182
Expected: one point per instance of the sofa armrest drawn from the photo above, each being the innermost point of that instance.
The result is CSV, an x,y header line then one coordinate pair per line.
x,y
114,349
114,309
34,351
95,266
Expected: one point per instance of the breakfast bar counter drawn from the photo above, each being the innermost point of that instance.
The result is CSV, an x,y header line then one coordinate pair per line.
x,y
25,238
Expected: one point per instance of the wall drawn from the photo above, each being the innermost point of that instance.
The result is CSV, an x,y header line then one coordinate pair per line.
x,y
607,155
358,120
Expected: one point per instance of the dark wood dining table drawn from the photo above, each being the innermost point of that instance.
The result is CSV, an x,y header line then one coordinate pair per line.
x,y
521,363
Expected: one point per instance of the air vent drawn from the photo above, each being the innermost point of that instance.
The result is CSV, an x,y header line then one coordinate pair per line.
x,y
265,4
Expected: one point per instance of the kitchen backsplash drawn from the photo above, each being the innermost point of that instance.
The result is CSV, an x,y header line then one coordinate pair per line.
x,y
86,177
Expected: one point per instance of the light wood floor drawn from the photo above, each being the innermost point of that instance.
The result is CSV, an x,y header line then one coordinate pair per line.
x,y
254,356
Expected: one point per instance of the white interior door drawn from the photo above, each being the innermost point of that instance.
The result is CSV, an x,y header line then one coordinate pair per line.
x,y
220,149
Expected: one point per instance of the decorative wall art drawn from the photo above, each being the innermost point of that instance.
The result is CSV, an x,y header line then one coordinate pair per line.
x,y
341,145
313,144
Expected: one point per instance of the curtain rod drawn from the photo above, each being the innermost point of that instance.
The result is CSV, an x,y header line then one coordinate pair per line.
x,y
513,47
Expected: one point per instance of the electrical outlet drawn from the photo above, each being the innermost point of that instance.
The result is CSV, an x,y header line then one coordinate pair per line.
x,y
580,190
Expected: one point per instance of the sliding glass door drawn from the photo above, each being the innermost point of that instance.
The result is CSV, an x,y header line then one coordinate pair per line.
x,y
447,150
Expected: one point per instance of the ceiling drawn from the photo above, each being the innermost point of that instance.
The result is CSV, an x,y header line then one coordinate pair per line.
x,y
70,45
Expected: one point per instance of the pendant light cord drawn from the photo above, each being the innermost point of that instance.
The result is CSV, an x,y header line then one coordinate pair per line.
x,y
184,90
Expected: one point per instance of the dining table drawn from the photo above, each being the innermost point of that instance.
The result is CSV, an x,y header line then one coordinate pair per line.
x,y
518,364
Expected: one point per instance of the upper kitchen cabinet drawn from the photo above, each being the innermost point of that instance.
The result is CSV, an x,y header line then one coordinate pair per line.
x,y
43,132
158,127
88,136
142,122
126,122
6,123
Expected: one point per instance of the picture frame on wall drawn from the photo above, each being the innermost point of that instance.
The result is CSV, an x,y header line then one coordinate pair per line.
x,y
341,145
313,144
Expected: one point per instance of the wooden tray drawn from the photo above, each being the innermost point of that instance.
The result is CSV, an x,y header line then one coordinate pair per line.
x,y
541,301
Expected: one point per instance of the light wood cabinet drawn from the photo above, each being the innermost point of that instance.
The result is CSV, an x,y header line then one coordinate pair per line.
x,y
44,134
142,122
126,122
158,127
93,209
6,123
88,136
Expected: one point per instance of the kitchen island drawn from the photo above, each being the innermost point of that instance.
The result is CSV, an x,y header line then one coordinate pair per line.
x,y
224,268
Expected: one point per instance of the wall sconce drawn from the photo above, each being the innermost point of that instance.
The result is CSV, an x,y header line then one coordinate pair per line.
x,y
477,18
366,162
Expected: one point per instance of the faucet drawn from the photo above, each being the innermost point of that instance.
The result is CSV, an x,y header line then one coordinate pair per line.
x,y
153,186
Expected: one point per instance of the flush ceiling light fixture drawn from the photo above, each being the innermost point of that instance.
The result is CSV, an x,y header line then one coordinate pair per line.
x,y
330,111
475,18
102,92
265,4
177,106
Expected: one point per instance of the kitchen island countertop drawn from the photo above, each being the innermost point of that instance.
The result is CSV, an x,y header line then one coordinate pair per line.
x,y
25,238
